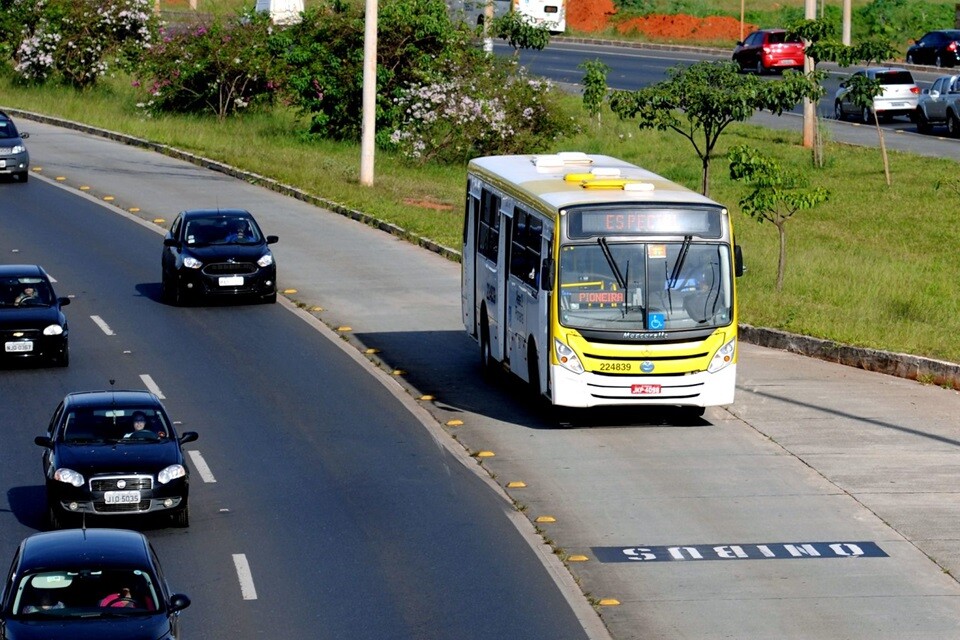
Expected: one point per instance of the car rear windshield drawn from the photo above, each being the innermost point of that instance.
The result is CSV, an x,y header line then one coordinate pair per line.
x,y
895,77
781,37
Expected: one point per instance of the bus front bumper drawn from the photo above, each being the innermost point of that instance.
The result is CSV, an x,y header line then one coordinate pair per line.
x,y
587,389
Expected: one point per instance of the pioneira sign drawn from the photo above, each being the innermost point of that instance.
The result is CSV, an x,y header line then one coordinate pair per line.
x,y
282,11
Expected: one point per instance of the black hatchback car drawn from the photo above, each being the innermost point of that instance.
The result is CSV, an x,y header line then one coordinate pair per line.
x,y
217,252
14,158
32,324
65,584
110,453
940,48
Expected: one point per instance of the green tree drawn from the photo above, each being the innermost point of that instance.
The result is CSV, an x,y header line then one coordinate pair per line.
x,y
594,85
860,88
778,194
701,100
519,33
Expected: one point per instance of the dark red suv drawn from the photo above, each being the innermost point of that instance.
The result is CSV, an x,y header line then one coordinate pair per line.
x,y
768,50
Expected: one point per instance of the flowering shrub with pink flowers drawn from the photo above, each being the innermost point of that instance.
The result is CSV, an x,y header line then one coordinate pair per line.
x,y
75,41
217,66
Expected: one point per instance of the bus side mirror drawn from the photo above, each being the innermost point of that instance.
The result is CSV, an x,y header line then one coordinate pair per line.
x,y
738,268
546,275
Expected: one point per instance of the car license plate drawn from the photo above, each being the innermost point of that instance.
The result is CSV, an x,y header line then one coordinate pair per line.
x,y
18,347
231,281
898,104
121,497
645,389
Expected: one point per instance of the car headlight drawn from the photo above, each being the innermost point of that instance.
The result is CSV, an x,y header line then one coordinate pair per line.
x,y
52,330
265,260
19,148
192,263
172,472
567,357
723,357
69,476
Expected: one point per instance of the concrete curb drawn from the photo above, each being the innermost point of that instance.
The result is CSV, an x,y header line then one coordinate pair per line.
x,y
921,369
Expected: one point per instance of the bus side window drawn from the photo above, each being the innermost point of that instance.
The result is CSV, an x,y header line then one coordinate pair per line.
x,y
488,242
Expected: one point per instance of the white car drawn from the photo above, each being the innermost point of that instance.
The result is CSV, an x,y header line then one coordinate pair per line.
x,y
898,98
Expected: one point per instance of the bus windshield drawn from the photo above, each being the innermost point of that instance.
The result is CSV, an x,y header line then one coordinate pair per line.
x,y
636,286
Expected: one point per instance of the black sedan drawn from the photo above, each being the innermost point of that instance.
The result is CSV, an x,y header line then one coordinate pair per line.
x,y
89,584
217,252
940,48
32,324
110,453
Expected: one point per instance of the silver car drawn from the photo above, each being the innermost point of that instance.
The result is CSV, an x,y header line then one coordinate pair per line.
x,y
14,159
898,98
936,103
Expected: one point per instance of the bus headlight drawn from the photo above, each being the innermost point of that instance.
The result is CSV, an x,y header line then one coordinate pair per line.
x,y
567,357
723,356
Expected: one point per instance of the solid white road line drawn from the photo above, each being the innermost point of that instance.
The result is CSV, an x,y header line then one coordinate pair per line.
x,y
152,386
247,589
103,325
201,465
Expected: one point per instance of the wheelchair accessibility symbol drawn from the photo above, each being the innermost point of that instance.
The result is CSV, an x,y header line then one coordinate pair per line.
x,y
655,321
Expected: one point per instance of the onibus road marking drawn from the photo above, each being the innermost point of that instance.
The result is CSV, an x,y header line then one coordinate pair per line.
x,y
765,551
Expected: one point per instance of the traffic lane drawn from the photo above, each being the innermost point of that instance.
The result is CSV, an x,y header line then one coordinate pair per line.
x,y
288,399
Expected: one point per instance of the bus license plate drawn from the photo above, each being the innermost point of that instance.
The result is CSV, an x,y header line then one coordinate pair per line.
x,y
18,347
121,497
645,389
231,281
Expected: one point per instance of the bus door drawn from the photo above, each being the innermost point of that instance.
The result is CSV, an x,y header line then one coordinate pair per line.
x,y
542,333
468,257
498,343
523,296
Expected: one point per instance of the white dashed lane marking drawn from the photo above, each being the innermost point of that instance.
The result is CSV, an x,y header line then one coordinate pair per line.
x,y
247,590
103,325
152,386
201,466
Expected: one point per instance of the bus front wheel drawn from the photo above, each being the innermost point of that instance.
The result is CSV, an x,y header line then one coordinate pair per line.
x,y
486,355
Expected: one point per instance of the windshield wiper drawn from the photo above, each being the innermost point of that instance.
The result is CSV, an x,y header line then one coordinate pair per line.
x,y
684,248
621,281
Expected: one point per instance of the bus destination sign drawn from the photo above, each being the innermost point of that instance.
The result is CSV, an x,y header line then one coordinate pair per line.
x,y
703,223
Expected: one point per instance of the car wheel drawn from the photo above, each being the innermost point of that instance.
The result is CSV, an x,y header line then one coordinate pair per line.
x,y
760,68
923,125
938,62
54,519
62,359
953,125
866,115
181,517
23,176
910,59
838,110
271,299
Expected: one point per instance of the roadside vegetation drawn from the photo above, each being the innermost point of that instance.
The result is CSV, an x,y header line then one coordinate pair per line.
x,y
871,267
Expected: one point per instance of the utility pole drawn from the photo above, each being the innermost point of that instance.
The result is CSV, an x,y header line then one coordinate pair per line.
x,y
369,121
487,23
809,108
846,22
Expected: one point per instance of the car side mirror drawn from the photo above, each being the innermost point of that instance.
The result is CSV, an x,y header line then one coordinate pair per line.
x,y
24,135
43,441
188,436
170,242
179,602
738,267
739,43
63,301
272,239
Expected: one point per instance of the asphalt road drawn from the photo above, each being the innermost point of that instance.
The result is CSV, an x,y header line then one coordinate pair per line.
x,y
838,485
353,521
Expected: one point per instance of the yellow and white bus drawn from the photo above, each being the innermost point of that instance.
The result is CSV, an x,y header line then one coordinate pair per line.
x,y
599,282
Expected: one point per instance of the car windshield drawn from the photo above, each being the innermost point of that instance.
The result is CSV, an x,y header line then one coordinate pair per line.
x,y
85,593
115,425
645,286
221,230
895,77
7,130
24,291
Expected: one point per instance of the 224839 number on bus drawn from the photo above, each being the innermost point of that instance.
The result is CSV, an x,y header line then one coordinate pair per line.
x,y
623,367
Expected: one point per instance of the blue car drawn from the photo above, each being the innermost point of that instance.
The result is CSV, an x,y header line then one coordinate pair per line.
x,y
89,584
